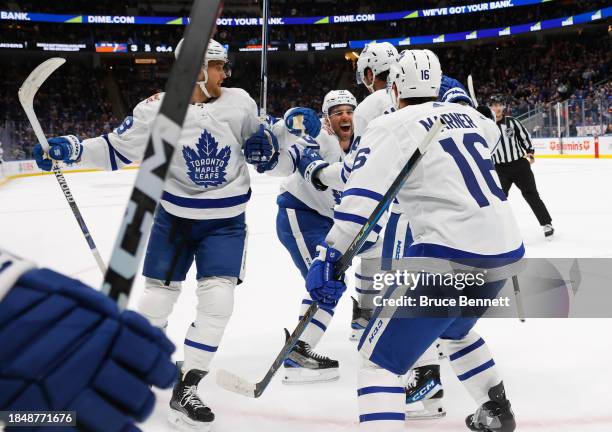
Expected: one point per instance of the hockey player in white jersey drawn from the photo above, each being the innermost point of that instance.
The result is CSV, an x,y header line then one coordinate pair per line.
x,y
304,217
423,383
200,217
457,210
372,70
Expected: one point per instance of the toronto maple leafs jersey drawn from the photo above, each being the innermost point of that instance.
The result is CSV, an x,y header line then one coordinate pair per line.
x,y
322,202
208,176
452,198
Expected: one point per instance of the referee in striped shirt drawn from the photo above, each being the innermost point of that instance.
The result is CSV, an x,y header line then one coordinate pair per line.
x,y
513,158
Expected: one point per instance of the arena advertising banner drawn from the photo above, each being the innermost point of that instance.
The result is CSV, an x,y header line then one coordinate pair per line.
x,y
407,41
239,22
491,32
574,147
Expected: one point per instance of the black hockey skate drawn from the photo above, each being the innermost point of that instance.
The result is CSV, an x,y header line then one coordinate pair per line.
x,y
187,411
360,320
495,415
424,386
304,366
548,231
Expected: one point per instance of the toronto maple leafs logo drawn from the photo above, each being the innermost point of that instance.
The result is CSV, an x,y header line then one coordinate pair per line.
x,y
337,195
207,164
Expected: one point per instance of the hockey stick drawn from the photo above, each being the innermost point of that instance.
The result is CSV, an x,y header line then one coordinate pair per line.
x,y
519,301
165,133
26,93
470,83
263,84
236,384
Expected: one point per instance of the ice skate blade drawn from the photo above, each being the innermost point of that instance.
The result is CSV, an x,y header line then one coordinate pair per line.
x,y
181,422
424,415
298,376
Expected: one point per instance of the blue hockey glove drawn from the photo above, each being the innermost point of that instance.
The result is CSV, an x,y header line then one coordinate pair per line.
x,y
66,347
261,150
320,281
67,149
311,124
452,90
309,165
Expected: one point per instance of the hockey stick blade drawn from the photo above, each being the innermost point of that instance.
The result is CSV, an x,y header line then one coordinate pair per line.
x,y
235,384
238,385
30,87
470,83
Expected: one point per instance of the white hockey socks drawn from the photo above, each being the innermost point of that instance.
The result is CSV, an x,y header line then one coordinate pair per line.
x,y
381,399
215,306
316,327
473,364
364,281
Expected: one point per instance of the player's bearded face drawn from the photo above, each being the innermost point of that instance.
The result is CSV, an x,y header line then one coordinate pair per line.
x,y
341,121
216,76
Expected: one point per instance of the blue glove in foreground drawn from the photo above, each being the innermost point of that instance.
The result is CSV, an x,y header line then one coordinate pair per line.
x,y
67,347
261,150
320,281
310,121
67,149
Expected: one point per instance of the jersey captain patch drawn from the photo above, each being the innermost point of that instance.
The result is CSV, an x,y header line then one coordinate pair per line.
x,y
207,164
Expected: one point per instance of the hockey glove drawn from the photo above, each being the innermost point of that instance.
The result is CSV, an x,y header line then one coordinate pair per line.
x,y
320,281
261,150
453,91
67,149
67,347
310,123
309,165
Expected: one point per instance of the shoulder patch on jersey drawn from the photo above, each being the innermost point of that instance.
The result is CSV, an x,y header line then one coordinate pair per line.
x,y
207,164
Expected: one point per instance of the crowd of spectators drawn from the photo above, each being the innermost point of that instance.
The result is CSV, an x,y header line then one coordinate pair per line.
x,y
291,84
72,101
530,72
591,107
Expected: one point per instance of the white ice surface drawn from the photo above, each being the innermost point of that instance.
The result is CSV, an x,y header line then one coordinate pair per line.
x,y
557,372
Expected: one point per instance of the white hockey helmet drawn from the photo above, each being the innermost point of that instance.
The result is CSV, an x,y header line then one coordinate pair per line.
x,y
214,52
338,97
378,56
417,74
